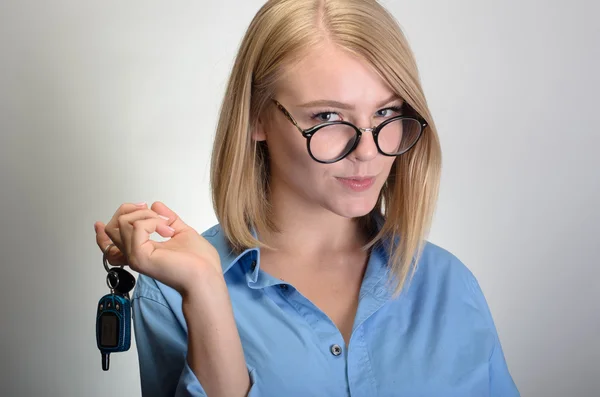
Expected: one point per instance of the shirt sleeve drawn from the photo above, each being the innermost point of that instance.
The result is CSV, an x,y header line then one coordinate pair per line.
x,y
189,386
501,382
161,339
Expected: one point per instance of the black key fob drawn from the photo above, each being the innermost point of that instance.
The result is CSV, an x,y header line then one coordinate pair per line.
x,y
120,280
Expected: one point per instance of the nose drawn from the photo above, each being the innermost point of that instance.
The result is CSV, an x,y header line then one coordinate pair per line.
x,y
366,149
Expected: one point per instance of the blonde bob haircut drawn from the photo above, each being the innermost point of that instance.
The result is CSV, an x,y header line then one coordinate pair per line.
x,y
280,33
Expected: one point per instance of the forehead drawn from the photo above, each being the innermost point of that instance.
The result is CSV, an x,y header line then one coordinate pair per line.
x,y
329,72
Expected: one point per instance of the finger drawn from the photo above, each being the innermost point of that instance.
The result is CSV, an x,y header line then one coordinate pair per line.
x,y
127,221
174,220
141,245
114,255
112,227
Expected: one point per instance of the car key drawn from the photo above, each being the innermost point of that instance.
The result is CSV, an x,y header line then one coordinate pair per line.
x,y
113,326
113,317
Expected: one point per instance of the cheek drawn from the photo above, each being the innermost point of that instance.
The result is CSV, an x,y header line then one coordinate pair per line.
x,y
388,163
287,149
384,166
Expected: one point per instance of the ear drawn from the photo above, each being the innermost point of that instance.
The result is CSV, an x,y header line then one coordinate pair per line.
x,y
259,132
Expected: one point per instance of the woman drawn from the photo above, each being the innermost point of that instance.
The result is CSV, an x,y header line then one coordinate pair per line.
x,y
318,280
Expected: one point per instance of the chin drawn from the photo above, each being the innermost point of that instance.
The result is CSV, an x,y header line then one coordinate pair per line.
x,y
354,207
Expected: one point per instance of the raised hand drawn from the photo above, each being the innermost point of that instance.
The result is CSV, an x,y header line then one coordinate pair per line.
x,y
179,262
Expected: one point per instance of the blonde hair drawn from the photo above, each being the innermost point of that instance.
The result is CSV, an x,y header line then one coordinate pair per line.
x,y
279,34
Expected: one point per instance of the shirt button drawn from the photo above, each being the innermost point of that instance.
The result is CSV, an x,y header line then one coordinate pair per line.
x,y
253,265
283,287
336,350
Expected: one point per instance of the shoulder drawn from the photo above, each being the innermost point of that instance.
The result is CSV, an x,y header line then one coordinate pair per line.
x,y
216,237
449,289
438,265
449,315
443,283
212,231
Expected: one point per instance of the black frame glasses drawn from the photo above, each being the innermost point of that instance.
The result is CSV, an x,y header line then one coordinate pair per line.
x,y
309,132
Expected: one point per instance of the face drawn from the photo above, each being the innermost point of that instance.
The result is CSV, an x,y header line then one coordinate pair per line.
x,y
351,186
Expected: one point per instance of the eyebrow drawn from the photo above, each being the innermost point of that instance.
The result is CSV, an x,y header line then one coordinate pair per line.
x,y
342,105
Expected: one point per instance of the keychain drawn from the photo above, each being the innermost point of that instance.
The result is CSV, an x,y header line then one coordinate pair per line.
x,y
113,317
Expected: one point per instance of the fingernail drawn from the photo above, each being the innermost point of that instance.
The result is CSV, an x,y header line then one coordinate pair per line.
x,y
166,218
170,228
142,204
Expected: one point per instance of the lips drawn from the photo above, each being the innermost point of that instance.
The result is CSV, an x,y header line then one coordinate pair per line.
x,y
357,178
356,183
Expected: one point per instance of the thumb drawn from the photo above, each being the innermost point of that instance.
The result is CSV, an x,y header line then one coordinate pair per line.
x,y
174,221
101,237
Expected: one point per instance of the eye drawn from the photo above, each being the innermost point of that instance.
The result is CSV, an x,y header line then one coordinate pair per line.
x,y
392,111
323,117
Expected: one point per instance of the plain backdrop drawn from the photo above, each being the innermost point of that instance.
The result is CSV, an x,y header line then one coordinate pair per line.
x,y
106,102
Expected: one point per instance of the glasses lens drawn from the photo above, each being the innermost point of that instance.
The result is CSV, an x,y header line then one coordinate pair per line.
x,y
398,136
332,142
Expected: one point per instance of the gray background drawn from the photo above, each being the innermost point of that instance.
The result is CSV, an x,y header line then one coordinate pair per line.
x,y
109,102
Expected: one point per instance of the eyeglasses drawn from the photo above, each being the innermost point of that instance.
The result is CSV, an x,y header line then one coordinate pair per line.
x,y
331,141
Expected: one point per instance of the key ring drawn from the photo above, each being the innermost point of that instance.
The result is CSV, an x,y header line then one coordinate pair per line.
x,y
109,283
105,260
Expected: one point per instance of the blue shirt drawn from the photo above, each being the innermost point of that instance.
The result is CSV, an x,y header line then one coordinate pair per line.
x,y
437,338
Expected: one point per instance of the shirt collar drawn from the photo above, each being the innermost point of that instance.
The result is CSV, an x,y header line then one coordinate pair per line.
x,y
374,281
